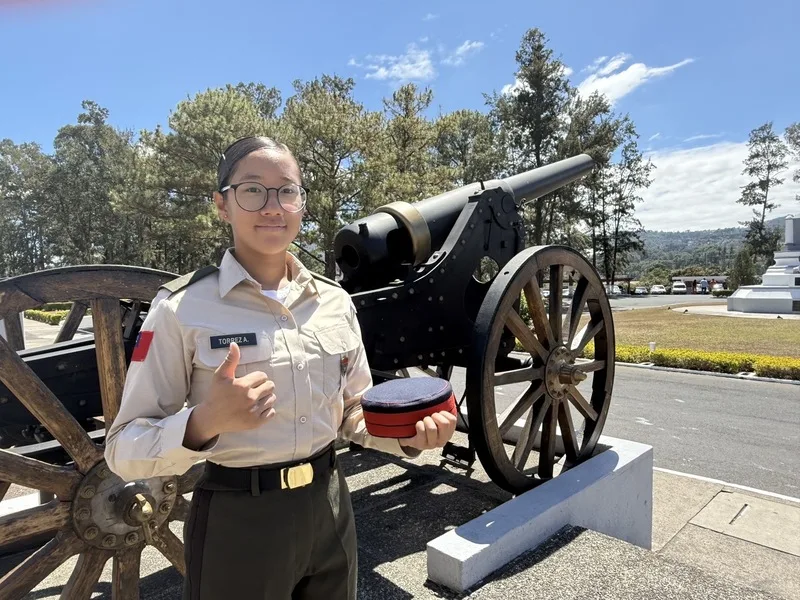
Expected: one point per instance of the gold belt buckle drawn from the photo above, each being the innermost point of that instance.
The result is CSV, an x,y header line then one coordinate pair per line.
x,y
297,476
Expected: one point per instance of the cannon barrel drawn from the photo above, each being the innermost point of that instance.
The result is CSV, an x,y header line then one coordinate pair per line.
x,y
374,248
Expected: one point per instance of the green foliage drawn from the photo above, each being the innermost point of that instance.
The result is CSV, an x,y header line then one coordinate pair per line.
x,y
721,293
52,317
743,271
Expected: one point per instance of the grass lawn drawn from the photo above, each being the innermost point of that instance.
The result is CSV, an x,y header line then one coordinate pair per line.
x,y
674,329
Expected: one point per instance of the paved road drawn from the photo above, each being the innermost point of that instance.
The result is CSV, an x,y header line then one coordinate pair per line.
x,y
665,300
743,432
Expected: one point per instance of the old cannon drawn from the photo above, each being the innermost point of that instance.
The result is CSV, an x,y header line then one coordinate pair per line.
x,y
445,282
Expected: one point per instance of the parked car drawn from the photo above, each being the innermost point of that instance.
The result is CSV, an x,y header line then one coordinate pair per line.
x,y
678,287
613,290
640,290
658,289
717,286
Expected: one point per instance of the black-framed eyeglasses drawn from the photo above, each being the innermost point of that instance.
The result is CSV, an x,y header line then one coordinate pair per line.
x,y
252,196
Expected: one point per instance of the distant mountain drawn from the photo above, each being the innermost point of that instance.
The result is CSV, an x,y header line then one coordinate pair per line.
x,y
712,249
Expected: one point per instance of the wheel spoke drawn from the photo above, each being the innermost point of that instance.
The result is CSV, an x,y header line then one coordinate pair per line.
x,y
32,522
180,512
4,485
583,406
547,449
32,473
125,574
188,480
568,437
72,322
519,375
591,367
14,333
588,332
171,547
556,293
533,296
85,575
511,414
132,318
110,350
526,337
576,308
42,403
528,434
28,574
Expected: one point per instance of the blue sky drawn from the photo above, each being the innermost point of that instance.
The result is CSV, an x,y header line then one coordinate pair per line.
x,y
696,77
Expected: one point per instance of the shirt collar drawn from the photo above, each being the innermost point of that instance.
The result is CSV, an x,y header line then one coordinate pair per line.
x,y
232,273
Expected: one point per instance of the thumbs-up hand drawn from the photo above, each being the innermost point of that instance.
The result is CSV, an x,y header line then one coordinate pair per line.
x,y
238,403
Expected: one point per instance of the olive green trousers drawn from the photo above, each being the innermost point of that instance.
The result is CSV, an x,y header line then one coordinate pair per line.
x,y
297,544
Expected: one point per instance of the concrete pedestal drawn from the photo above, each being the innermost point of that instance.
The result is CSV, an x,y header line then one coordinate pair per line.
x,y
611,493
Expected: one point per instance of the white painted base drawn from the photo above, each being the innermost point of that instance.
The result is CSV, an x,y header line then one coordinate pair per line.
x,y
764,299
611,493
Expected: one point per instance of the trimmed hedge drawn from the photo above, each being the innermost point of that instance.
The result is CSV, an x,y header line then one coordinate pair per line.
x,y
778,367
52,317
721,293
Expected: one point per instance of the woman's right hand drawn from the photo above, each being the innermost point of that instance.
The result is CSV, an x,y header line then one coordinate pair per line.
x,y
234,403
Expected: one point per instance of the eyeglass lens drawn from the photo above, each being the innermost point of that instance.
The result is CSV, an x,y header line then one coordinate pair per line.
x,y
253,197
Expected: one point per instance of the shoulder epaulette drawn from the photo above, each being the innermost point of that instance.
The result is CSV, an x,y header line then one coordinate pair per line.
x,y
186,280
323,278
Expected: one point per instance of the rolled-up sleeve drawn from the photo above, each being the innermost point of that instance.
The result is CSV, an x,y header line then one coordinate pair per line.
x,y
358,379
146,438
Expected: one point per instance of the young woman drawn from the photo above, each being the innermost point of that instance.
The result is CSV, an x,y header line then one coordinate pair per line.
x,y
270,361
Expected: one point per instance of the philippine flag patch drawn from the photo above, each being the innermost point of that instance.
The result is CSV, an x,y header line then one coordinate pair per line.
x,y
142,346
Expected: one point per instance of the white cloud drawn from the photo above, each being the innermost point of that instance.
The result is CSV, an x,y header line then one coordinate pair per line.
x,y
698,188
415,64
430,17
655,136
607,78
703,136
462,52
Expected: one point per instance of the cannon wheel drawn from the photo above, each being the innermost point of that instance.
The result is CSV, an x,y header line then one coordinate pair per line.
x,y
95,514
554,343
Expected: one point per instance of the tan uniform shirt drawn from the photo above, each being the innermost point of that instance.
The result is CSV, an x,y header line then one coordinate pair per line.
x,y
310,347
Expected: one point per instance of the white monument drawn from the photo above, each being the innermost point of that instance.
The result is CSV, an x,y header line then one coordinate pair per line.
x,y
779,291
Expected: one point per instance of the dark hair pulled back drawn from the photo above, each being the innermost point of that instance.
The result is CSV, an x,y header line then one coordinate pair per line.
x,y
241,148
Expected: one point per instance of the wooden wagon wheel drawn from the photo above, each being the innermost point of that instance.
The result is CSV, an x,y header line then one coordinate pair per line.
x,y
95,514
551,401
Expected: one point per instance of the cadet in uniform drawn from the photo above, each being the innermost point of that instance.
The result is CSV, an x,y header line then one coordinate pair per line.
x,y
269,359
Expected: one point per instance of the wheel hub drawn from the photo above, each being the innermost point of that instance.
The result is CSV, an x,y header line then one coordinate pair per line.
x,y
110,513
561,372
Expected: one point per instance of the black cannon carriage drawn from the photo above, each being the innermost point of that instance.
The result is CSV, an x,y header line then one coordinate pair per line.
x,y
445,282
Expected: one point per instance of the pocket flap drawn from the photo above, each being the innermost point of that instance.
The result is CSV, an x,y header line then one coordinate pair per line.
x,y
338,339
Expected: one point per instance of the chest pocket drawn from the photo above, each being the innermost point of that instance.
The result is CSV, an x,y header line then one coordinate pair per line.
x,y
335,343
252,358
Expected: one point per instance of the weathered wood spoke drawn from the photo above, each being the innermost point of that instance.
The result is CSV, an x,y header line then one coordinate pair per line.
x,y
591,367
180,512
32,473
171,547
72,322
526,337
110,355
583,405
589,331
556,296
576,308
568,437
515,411
532,373
533,423
14,333
85,575
42,403
125,574
188,480
547,450
31,522
28,574
533,296
4,485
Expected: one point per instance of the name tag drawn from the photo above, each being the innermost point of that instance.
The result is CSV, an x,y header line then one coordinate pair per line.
x,y
242,339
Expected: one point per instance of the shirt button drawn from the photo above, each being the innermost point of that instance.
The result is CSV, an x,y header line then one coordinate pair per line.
x,y
300,366
284,318
302,419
